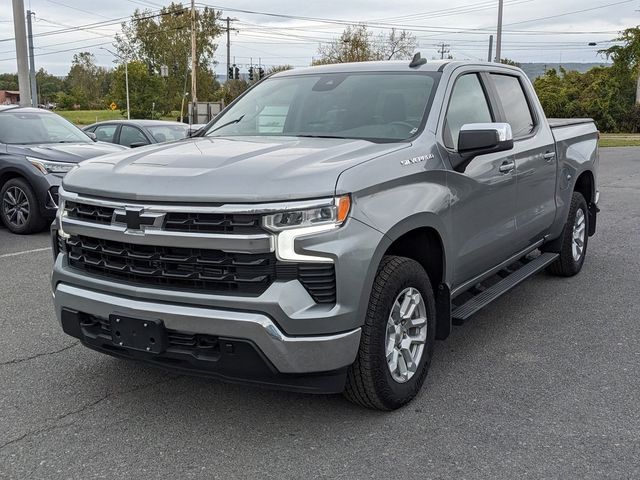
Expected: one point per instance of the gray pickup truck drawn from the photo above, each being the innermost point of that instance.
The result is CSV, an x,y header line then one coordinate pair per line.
x,y
325,229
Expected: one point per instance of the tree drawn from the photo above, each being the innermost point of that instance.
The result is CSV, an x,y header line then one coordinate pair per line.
x,y
508,61
165,39
48,86
145,90
8,81
86,82
278,68
357,44
626,57
230,90
601,93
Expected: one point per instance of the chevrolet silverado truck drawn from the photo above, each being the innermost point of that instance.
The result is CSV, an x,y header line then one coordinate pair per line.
x,y
326,228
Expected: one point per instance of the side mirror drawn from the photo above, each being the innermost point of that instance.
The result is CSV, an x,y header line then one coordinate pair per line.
x,y
92,136
138,144
481,138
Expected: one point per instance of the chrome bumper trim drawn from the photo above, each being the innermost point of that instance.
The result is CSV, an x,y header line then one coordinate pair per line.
x,y
288,354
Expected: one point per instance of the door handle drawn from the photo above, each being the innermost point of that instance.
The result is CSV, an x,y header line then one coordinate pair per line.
x,y
506,167
549,156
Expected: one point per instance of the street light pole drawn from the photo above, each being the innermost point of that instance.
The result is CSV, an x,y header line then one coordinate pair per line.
x,y
499,36
126,76
126,83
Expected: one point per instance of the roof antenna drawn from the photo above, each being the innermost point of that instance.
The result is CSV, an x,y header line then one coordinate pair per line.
x,y
417,61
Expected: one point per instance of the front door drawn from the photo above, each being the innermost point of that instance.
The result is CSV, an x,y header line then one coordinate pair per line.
x,y
484,195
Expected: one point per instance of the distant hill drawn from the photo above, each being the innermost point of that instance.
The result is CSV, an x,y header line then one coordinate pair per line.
x,y
535,70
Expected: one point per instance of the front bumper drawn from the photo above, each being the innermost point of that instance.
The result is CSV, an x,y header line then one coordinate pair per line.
x,y
286,357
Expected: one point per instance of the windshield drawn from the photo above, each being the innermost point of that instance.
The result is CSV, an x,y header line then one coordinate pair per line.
x,y
168,133
372,106
25,128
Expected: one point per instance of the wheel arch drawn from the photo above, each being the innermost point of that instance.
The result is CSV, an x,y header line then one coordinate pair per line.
x,y
405,239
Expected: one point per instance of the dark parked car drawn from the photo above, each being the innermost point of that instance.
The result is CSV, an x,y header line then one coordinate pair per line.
x,y
137,133
37,148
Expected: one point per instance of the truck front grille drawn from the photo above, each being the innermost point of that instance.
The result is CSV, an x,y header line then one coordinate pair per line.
x,y
212,271
223,223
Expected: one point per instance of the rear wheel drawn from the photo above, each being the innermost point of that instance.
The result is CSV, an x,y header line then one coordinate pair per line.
x,y
397,338
574,239
19,208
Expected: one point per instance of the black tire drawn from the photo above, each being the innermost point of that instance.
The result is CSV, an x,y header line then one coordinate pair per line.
x,y
369,379
30,220
566,265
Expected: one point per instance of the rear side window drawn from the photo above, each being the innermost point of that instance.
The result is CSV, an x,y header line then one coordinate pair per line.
x,y
104,133
514,104
468,105
130,135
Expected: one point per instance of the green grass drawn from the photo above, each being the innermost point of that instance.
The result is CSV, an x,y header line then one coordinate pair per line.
x,y
620,140
87,117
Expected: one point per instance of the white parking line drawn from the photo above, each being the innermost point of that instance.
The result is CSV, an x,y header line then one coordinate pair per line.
x,y
15,254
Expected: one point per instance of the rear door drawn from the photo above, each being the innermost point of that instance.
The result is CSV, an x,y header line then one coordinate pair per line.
x,y
483,197
534,154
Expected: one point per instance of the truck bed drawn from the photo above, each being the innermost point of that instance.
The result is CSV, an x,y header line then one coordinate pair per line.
x,y
567,122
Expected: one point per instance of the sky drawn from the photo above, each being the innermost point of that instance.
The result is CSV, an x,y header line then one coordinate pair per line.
x,y
547,31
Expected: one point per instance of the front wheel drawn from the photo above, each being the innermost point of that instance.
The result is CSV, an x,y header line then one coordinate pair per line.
x,y
574,239
19,207
398,337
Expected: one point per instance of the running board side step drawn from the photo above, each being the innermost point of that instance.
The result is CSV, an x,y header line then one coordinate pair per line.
x,y
464,311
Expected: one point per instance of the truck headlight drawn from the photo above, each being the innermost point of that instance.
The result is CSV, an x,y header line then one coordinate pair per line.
x,y
46,166
332,214
293,224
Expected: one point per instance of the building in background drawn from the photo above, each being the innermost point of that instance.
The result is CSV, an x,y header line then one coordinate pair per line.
x,y
9,97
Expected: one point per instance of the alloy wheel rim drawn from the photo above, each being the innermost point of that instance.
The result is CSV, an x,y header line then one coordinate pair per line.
x,y
406,334
15,205
578,236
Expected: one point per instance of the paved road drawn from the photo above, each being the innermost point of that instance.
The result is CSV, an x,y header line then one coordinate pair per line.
x,y
545,383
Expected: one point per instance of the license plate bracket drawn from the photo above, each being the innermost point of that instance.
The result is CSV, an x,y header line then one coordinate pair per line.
x,y
136,334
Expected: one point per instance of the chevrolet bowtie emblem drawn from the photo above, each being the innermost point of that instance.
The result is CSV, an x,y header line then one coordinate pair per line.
x,y
136,219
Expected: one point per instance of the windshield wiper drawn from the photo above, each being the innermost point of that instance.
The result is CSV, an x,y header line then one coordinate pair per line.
x,y
226,124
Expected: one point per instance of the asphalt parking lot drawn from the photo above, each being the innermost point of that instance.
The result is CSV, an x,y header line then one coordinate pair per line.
x,y
545,383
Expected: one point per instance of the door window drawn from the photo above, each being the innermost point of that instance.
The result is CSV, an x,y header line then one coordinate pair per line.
x,y
104,133
468,105
130,135
514,104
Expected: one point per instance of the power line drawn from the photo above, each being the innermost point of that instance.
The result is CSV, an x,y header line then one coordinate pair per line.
x,y
443,49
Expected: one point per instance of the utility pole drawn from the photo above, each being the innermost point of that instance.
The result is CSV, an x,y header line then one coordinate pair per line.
x,y
228,47
21,52
499,38
490,56
444,49
32,63
194,61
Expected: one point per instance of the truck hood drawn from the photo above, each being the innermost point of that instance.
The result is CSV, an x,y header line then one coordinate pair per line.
x,y
65,152
225,169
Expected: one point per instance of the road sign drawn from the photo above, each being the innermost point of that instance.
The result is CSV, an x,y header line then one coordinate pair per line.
x,y
113,106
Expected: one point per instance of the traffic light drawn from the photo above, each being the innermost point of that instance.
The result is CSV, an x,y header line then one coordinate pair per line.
x,y
260,73
251,74
174,69
230,74
236,73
